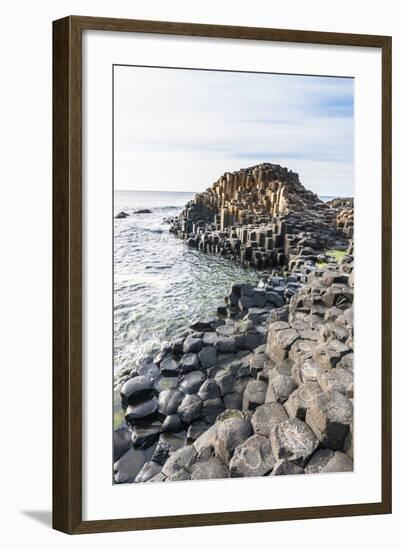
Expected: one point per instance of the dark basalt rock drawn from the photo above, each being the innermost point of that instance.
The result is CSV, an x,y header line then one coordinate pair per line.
x,y
121,215
145,434
169,401
135,388
143,211
141,409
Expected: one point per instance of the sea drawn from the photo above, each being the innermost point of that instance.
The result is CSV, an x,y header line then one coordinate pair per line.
x,y
161,285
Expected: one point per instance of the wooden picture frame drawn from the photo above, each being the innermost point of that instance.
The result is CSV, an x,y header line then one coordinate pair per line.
x,y
67,273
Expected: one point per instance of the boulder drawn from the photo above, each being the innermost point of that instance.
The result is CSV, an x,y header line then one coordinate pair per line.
x,y
301,398
192,345
232,401
230,434
169,365
339,379
121,215
191,382
206,442
121,442
254,395
169,401
180,460
150,469
293,440
189,362
208,356
209,390
190,408
280,388
143,408
167,445
128,466
211,409
275,299
225,382
225,344
266,417
172,423
253,457
143,436
134,388
327,461
209,469
195,430
330,416
329,354
286,468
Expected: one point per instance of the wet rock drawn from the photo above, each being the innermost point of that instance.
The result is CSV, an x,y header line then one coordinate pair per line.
x,y
208,356
209,338
254,457
144,435
266,417
195,430
172,423
169,401
144,407
280,388
167,445
189,363
225,382
230,434
209,469
121,215
150,370
330,416
169,365
166,382
286,468
192,345
211,409
143,211
232,401
121,442
128,466
190,408
182,459
302,398
209,390
254,395
338,379
293,440
225,345
134,388
275,299
191,382
150,469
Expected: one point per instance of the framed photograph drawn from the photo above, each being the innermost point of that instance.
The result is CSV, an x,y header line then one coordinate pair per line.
x,y
222,274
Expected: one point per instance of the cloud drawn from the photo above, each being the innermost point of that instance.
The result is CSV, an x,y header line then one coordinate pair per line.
x,y
181,129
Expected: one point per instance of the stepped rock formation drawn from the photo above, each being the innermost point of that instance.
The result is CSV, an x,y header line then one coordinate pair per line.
x,y
263,217
266,390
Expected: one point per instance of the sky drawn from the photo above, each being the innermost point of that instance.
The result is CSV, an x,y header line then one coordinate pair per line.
x,y
181,129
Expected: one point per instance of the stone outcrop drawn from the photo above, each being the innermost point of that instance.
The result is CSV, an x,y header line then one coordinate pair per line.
x,y
266,388
264,217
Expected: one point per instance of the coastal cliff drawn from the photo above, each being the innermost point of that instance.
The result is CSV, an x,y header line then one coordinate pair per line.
x,y
263,217
265,387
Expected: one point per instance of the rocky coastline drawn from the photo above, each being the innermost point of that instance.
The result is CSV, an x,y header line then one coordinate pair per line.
x,y
266,386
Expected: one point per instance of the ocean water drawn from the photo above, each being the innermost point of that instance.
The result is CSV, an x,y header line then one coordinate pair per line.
x,y
160,285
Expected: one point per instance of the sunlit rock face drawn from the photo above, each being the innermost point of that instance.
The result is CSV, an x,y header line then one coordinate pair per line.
x,y
264,217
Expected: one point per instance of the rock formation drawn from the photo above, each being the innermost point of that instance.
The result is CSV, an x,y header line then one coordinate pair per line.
x,y
264,389
263,217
